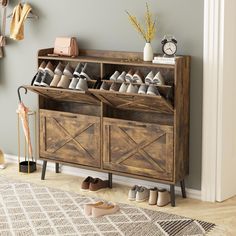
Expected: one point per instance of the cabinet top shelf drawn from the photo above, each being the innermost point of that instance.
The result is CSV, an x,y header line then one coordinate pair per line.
x,y
105,57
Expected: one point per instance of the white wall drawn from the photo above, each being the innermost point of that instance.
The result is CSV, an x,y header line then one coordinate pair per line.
x,y
226,166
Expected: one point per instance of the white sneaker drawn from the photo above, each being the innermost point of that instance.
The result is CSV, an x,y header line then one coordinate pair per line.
x,y
115,76
142,194
158,79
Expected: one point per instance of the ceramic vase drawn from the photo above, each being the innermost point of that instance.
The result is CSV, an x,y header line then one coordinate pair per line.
x,y
148,52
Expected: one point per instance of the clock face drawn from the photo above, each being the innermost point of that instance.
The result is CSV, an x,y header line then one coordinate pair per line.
x,y
169,48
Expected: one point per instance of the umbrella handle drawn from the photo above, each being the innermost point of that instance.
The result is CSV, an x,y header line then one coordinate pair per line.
x,y
18,91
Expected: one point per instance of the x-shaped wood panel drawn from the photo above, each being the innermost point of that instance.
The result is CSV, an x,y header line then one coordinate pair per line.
x,y
71,138
137,148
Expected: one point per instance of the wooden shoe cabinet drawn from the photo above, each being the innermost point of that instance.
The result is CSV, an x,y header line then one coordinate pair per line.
x,y
133,135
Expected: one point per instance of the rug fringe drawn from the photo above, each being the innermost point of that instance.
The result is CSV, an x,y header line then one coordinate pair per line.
x,y
219,231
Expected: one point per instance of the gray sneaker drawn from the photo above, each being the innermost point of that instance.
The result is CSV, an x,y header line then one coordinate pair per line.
x,y
133,192
142,194
152,90
73,83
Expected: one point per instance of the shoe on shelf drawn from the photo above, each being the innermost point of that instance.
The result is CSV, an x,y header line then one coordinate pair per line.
x,y
105,86
153,196
115,87
121,77
115,76
48,75
59,69
85,184
158,79
163,197
123,88
64,82
132,193
132,88
56,79
84,73
73,83
138,77
68,71
50,68
142,194
78,70
40,74
42,66
143,89
88,207
149,78
98,184
129,76
105,210
152,90
82,85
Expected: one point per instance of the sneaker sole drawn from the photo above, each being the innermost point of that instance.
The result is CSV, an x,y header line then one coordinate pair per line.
x,y
44,84
143,200
97,191
131,199
84,190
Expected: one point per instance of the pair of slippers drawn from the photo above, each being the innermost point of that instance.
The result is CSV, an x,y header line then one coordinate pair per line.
x,y
100,208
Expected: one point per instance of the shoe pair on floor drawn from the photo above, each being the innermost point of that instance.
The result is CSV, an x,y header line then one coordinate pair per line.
x,y
137,77
159,197
154,196
62,76
130,88
94,184
100,209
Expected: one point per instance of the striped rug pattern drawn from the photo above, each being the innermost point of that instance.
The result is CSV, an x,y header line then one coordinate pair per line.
x,y
28,209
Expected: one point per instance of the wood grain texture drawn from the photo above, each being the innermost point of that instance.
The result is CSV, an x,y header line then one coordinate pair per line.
x,y
70,137
134,101
138,148
181,119
65,94
134,135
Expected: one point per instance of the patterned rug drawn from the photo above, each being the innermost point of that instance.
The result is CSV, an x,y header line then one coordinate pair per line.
x,y
30,209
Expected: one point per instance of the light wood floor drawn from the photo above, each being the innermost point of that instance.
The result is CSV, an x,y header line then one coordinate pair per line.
x,y
222,214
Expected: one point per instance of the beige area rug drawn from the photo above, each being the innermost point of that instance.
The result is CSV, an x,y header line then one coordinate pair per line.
x,y
30,209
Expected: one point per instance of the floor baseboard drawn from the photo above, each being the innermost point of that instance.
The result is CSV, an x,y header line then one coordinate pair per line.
x,y
191,193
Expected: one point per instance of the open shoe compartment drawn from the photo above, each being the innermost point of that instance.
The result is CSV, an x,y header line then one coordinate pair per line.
x,y
65,94
166,71
133,101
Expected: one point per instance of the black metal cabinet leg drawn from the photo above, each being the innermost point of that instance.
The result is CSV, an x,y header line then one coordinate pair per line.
x,y
110,180
172,195
182,184
44,170
57,168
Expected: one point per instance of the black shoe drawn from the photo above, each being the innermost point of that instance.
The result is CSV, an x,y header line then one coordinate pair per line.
x,y
84,73
38,77
78,70
48,75
46,79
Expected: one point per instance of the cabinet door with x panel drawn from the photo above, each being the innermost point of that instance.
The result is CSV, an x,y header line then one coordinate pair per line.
x,y
138,148
69,137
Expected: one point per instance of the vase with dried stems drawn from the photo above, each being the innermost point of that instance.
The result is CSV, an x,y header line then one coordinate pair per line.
x,y
147,32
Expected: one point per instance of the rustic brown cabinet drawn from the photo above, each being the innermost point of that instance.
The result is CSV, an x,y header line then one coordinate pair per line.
x,y
134,135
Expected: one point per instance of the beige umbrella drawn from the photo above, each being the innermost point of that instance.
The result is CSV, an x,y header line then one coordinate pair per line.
x,y
23,114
